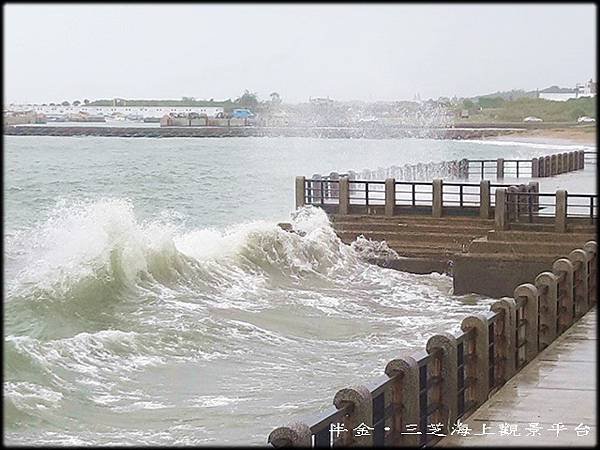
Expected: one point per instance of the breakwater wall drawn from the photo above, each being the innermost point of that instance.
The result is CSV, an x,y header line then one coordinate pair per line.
x,y
543,166
208,131
455,374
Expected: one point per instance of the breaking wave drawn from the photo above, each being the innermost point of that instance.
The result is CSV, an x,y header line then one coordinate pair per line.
x,y
101,245
100,305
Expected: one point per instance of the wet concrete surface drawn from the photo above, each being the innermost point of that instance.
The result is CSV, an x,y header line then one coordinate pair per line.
x,y
557,387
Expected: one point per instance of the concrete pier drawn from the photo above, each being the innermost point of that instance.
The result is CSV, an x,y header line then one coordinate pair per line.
x,y
557,386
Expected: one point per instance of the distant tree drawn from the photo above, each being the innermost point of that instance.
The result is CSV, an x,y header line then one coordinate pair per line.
x,y
491,102
86,102
275,98
247,100
76,103
65,103
52,104
468,104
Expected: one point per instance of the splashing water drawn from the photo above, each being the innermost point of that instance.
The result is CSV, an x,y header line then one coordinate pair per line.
x,y
121,330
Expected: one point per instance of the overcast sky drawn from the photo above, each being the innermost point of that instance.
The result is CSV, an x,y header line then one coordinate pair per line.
x,y
380,52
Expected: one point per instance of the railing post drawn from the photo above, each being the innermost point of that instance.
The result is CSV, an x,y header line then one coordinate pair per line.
x,y
334,189
300,192
571,161
504,338
523,199
500,211
437,187
405,399
500,168
559,163
317,188
390,196
464,168
344,196
535,199
361,412
580,281
484,199
565,162
512,203
560,219
547,166
535,168
591,248
446,369
296,434
477,360
546,283
530,293
563,269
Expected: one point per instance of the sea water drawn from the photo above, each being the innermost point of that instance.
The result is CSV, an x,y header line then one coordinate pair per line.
x,y
150,297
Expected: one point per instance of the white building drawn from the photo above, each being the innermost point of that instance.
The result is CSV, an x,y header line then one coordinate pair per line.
x,y
143,111
587,89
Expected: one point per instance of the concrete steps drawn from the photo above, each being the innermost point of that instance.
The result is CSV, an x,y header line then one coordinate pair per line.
x,y
540,236
407,228
549,227
413,219
523,247
439,250
408,236
415,236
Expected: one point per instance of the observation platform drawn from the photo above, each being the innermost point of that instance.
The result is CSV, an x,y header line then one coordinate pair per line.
x,y
557,386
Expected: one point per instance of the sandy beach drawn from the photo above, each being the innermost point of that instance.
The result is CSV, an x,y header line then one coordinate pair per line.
x,y
583,135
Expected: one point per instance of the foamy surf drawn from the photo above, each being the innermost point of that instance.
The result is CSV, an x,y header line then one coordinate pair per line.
x,y
102,301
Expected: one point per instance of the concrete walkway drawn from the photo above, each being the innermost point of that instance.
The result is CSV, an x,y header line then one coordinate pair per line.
x,y
558,386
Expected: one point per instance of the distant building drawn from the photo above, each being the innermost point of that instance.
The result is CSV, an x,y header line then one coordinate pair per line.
x,y
107,111
320,101
587,89
21,118
558,94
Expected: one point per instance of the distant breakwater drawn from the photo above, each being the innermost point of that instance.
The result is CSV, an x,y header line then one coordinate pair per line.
x,y
315,132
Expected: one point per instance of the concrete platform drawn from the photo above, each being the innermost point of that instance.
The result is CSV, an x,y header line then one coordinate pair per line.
x,y
558,386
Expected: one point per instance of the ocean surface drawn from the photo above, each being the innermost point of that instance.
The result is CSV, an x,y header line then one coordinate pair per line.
x,y
151,299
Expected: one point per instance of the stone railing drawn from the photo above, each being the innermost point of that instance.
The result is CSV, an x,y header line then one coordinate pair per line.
x,y
543,166
455,374
507,203
520,204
